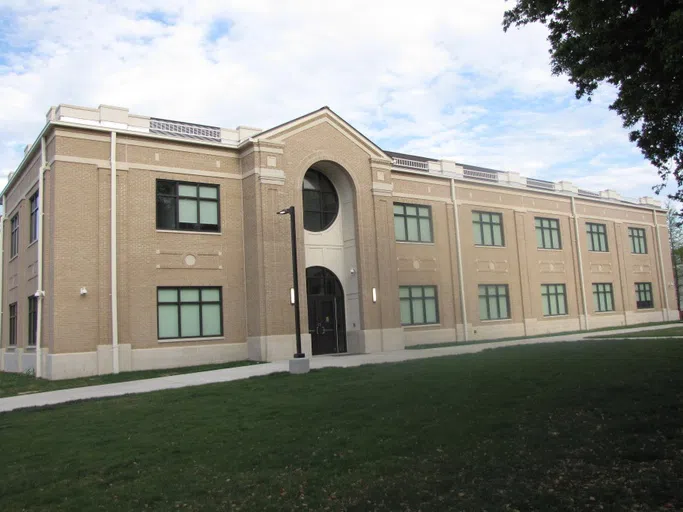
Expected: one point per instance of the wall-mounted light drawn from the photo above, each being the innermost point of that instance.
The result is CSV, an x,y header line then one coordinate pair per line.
x,y
292,299
353,270
84,291
374,295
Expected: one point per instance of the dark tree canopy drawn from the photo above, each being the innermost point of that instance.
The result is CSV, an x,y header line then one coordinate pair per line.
x,y
636,45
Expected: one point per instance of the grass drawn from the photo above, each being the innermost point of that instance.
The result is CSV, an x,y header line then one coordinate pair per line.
x,y
548,335
12,384
572,426
656,333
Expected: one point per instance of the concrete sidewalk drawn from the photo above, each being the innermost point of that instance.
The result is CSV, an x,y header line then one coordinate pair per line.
x,y
245,372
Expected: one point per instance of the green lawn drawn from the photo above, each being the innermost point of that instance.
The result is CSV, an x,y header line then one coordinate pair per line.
x,y
564,333
18,383
656,333
570,426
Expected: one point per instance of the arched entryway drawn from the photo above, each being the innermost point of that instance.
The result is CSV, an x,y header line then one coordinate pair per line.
x,y
326,316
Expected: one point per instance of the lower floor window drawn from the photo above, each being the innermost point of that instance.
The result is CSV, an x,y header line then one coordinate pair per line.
x,y
494,301
554,298
32,320
418,305
644,296
13,324
603,297
189,312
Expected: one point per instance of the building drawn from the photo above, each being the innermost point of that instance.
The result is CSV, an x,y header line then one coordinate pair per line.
x,y
178,257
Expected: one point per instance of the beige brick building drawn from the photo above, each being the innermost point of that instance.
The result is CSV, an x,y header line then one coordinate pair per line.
x,y
131,242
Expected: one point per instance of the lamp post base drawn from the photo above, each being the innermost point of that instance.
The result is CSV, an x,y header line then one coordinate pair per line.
x,y
299,365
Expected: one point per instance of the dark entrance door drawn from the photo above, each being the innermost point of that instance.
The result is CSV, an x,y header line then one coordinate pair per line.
x,y
326,321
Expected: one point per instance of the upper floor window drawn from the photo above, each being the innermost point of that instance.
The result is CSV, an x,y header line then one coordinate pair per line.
x,y
14,242
321,204
189,312
603,297
488,228
644,296
413,223
597,237
494,301
419,305
34,218
638,241
548,233
187,206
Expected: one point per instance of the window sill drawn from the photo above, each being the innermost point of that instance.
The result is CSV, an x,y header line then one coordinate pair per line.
x,y
552,317
496,320
491,246
550,250
645,309
408,242
180,340
11,348
13,258
32,243
612,312
418,326
599,252
188,232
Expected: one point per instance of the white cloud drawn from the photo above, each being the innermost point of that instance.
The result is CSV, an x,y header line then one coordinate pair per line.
x,y
442,80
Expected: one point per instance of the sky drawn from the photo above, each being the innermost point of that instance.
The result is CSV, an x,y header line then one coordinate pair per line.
x,y
438,78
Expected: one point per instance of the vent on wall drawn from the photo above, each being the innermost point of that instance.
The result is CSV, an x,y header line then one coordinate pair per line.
x,y
185,130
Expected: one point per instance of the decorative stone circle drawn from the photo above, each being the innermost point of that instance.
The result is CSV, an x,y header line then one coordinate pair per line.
x,y
190,260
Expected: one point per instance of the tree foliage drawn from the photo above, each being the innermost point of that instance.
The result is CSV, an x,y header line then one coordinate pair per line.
x,y
635,45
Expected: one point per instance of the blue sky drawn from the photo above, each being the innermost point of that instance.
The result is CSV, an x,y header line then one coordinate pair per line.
x,y
442,81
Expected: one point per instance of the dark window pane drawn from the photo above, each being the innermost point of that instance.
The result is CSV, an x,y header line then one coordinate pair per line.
x,y
166,212
312,221
321,203
165,187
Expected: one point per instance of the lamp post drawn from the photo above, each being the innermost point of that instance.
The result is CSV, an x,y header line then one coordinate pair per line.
x,y
295,268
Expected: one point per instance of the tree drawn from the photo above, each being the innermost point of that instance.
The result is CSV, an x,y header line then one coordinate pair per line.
x,y
635,45
675,224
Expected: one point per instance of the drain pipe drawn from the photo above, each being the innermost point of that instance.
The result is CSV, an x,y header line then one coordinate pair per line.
x,y
580,260
114,289
665,316
456,218
40,293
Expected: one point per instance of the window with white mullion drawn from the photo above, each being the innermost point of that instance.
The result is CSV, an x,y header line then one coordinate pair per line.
x,y
488,229
548,233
